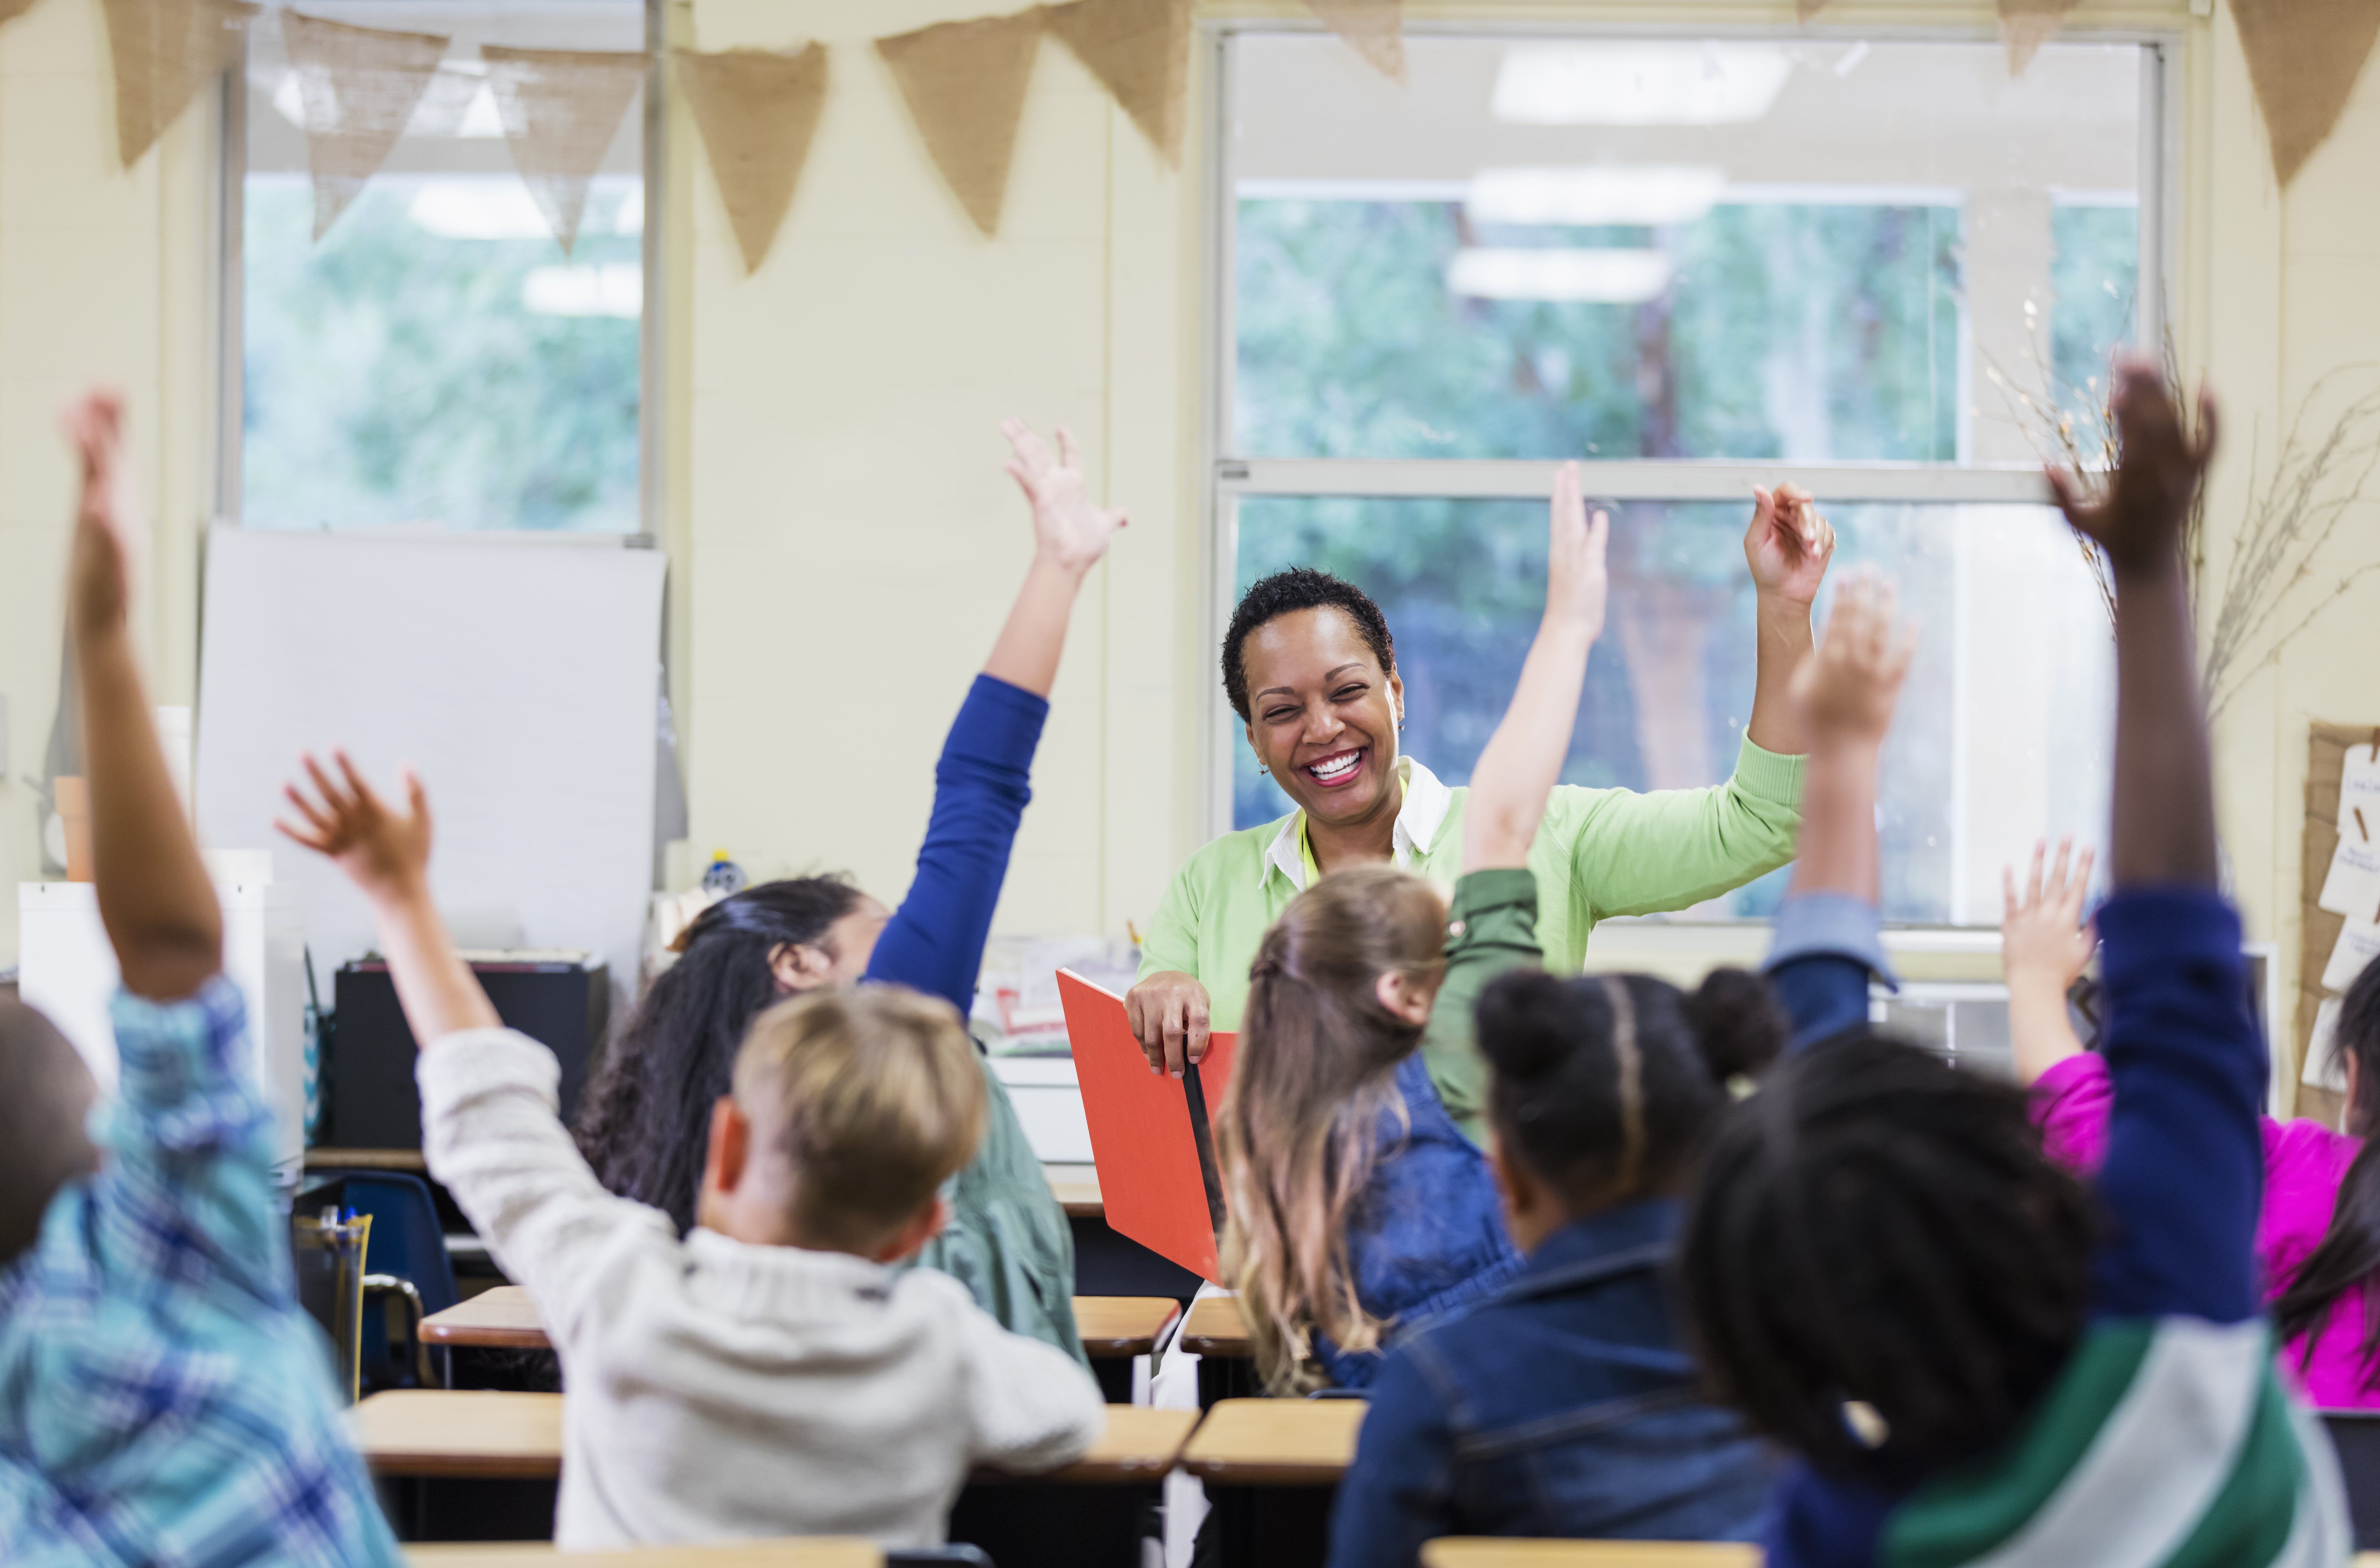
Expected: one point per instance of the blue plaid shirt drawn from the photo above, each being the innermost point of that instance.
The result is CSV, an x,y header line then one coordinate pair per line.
x,y
163,1398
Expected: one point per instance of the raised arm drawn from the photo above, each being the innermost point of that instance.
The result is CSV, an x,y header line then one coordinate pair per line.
x,y
1070,535
1523,758
386,854
1788,548
1827,943
934,941
2045,947
155,898
2183,1177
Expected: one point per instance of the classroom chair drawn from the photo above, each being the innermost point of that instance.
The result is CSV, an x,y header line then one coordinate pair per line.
x,y
408,1260
959,1556
2356,1435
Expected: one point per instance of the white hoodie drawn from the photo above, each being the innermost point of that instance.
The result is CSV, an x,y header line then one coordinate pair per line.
x,y
721,1391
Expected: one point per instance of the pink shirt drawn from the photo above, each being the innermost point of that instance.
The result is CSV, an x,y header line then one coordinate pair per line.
x,y
2304,1163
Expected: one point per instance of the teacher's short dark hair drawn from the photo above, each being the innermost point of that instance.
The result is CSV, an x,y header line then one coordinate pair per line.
x,y
1285,593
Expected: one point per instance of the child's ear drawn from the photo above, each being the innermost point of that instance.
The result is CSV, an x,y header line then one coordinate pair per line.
x,y
1402,997
725,1162
800,966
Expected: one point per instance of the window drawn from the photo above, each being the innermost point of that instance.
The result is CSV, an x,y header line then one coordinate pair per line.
x,y
435,357
1882,268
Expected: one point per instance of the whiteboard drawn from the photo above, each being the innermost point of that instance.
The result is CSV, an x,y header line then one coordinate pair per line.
x,y
517,677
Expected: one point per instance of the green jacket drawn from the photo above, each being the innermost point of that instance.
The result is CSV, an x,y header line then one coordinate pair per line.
x,y
1599,853
1007,1240
1492,927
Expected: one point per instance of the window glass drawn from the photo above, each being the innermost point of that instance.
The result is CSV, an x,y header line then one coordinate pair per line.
x,y
2002,734
435,357
1676,248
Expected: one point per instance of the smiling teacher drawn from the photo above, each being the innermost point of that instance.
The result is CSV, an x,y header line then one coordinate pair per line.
x,y
1311,669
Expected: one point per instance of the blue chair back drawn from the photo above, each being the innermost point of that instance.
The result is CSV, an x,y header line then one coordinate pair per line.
x,y
407,1242
2356,1435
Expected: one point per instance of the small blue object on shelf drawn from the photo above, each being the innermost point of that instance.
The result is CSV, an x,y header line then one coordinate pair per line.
x,y
723,876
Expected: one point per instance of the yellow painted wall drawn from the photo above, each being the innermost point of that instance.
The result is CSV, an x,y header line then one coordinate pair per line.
x,y
843,541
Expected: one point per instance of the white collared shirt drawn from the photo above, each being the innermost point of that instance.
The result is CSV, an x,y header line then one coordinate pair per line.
x,y
1418,820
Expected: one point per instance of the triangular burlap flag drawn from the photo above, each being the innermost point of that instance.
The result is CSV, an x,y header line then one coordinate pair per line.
x,y
1373,29
561,109
1140,49
165,53
2026,25
1804,9
965,83
359,87
11,9
757,110
2303,56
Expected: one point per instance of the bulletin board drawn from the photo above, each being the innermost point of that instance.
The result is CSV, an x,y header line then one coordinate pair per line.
x,y
2319,928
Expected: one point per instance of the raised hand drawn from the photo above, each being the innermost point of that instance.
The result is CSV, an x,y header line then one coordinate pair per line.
x,y
384,852
99,583
1848,686
2138,521
1068,529
1577,583
1789,544
2043,938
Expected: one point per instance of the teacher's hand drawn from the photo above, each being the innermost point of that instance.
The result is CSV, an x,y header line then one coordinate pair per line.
x,y
1167,1013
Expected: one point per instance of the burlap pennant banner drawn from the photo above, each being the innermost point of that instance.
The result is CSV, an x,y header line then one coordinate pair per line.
x,y
1804,9
1140,49
359,87
2303,58
757,110
2026,25
11,9
1373,29
166,52
965,83
561,110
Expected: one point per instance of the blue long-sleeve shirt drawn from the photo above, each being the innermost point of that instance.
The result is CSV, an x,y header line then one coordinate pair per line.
x,y
1007,1240
934,942
2167,1438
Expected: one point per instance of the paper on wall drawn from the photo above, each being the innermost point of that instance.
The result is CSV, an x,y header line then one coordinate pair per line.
x,y
2359,944
2352,886
2323,1068
2359,790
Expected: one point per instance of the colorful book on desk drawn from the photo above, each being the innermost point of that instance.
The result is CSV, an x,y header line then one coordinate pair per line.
x,y
1149,1131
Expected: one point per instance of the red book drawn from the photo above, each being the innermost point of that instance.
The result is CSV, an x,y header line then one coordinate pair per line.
x,y
1149,1131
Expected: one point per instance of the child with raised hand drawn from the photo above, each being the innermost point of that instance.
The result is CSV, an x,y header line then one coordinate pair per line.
x,y
769,1374
1974,1357
163,1397
1562,1405
647,1113
1356,1204
2318,1230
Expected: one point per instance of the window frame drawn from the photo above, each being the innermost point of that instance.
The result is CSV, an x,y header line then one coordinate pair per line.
x,y
1228,478
231,273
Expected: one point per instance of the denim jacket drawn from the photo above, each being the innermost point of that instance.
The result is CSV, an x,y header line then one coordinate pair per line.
x,y
1428,1236
1561,1407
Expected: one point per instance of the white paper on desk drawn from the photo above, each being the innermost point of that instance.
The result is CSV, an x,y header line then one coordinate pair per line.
x,y
2323,1068
2359,786
2352,887
2359,944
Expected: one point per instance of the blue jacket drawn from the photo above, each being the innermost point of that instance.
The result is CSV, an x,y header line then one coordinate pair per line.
x,y
1561,1407
1428,1236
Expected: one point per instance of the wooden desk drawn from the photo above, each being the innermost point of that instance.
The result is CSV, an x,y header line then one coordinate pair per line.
x,y
502,1318
1275,1442
1458,1551
505,1319
473,1435
1122,1325
1080,1198
1271,1469
1089,1512
366,1159
811,1551
1215,1327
